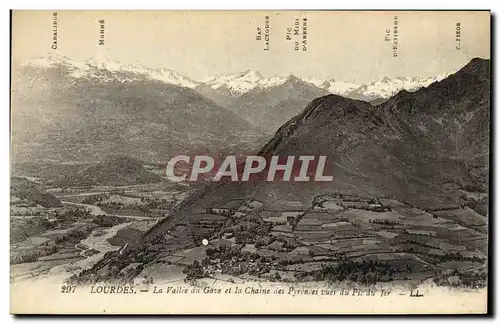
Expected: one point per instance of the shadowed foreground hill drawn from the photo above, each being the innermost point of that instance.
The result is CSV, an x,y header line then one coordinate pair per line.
x,y
419,147
22,188
112,171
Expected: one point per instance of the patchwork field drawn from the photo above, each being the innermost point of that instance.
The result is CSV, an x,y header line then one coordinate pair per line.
x,y
413,243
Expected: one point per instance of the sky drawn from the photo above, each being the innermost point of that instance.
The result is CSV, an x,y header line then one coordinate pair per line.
x,y
348,46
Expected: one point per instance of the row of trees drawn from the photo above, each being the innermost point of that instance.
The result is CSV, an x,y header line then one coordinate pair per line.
x,y
108,220
365,272
383,222
458,279
222,212
146,204
74,236
247,234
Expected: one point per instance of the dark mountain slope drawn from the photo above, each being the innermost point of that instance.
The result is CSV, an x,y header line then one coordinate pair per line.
x,y
221,96
112,171
402,148
22,188
447,123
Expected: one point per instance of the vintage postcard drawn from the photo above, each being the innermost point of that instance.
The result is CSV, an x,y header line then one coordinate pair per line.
x,y
250,162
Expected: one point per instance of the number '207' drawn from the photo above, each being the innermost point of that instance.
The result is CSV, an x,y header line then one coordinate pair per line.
x,y
68,289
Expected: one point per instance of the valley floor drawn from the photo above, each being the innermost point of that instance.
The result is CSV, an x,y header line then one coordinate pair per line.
x,y
337,238
56,243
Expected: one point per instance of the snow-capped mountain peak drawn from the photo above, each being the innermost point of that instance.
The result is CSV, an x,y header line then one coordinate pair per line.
x,y
251,75
101,62
334,86
172,77
99,67
49,60
386,80
243,82
387,87
240,83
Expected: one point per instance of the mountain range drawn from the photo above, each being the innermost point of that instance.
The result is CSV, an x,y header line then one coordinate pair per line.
x,y
68,111
236,92
235,84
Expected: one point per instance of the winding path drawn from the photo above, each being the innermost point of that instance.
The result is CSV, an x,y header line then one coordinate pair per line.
x,y
96,211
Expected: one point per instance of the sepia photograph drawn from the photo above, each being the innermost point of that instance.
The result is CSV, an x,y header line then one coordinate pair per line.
x,y
250,162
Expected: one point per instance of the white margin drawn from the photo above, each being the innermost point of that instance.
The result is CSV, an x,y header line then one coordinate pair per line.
x,y
213,5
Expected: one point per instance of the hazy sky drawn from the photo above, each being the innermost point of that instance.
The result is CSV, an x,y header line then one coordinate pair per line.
x,y
349,46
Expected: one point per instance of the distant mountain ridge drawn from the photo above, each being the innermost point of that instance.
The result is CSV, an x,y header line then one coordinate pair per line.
x,y
93,67
240,83
387,87
218,88
66,110
63,110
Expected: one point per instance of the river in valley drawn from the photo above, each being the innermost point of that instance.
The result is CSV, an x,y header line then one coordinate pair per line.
x,y
97,240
